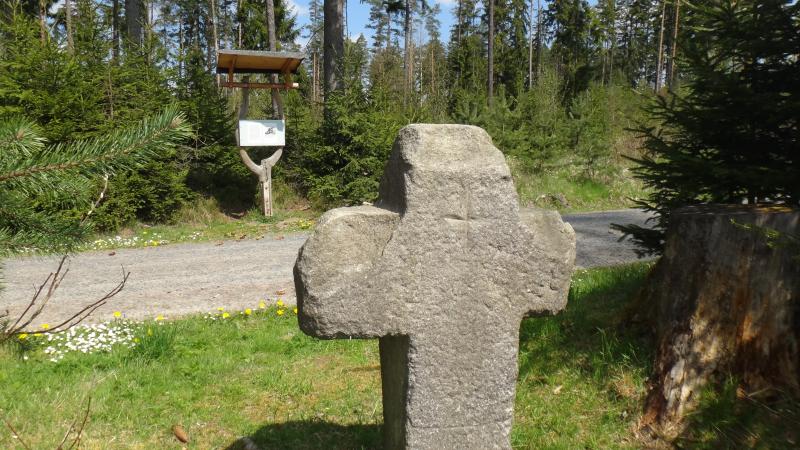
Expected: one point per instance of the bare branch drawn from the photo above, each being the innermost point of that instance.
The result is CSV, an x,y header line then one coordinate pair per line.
x,y
31,303
41,298
83,424
99,200
16,435
66,435
81,315
54,280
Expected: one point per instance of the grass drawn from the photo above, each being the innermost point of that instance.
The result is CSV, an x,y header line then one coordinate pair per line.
x,y
568,191
581,384
203,221
561,187
259,376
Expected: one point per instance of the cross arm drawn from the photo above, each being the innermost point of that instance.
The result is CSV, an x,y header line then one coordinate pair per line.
x,y
334,265
553,240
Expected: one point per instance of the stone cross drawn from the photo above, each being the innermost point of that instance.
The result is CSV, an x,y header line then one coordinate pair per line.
x,y
442,269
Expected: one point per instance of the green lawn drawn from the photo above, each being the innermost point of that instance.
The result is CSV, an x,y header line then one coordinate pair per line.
x,y
214,228
581,382
569,191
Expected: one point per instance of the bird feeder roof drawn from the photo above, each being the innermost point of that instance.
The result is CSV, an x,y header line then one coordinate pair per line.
x,y
256,61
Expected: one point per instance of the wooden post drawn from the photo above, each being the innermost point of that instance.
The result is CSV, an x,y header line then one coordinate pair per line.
x,y
264,170
266,188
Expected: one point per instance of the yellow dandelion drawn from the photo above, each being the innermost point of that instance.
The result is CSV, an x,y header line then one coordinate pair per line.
x,y
45,326
37,334
279,303
220,309
149,331
159,318
225,315
248,311
295,310
280,312
117,314
136,340
262,305
22,336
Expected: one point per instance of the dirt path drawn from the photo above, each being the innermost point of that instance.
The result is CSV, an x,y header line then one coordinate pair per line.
x,y
191,278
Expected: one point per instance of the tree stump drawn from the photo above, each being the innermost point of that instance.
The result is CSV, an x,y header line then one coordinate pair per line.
x,y
725,300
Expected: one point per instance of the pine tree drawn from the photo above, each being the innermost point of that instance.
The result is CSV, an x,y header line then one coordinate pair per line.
x,y
732,136
637,40
511,46
570,25
31,170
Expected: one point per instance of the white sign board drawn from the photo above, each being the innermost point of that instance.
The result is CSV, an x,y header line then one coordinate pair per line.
x,y
262,133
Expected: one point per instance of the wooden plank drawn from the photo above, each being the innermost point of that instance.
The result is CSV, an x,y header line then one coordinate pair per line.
x,y
251,61
238,84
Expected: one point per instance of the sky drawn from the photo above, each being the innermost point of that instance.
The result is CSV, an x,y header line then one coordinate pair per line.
x,y
357,14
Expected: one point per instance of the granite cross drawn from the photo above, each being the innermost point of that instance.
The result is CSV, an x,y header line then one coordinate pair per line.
x,y
442,269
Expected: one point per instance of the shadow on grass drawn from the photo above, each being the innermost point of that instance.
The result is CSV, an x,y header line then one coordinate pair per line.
x,y
726,418
591,332
311,435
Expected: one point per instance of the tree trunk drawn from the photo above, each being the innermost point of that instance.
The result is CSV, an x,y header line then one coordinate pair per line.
x,y
180,49
725,300
151,20
660,46
314,57
458,23
530,51
215,37
671,71
239,24
490,56
408,53
314,70
333,45
115,30
273,46
68,22
42,21
133,21
613,45
538,37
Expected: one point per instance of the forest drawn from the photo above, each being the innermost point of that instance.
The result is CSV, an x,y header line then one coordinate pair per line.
x,y
116,132
566,81
568,90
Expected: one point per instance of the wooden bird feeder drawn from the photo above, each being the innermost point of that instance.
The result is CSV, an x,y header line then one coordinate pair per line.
x,y
233,62
260,133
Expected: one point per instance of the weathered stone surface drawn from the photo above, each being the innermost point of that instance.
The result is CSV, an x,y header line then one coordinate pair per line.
x,y
724,300
442,270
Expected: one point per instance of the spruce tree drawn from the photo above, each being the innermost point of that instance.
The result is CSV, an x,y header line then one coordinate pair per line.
x,y
732,135
65,173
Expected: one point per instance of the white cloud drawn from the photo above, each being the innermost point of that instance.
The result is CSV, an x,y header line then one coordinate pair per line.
x,y
446,2
300,10
56,6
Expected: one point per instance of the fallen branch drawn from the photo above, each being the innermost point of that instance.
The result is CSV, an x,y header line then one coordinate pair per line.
x,y
42,296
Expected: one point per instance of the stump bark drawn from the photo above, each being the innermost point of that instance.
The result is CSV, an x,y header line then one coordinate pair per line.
x,y
725,300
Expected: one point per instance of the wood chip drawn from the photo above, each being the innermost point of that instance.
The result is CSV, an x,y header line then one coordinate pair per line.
x,y
180,433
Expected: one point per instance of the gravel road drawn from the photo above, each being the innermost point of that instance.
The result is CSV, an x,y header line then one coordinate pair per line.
x,y
190,278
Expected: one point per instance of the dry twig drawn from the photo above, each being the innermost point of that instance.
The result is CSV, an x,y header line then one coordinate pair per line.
x,y
42,296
